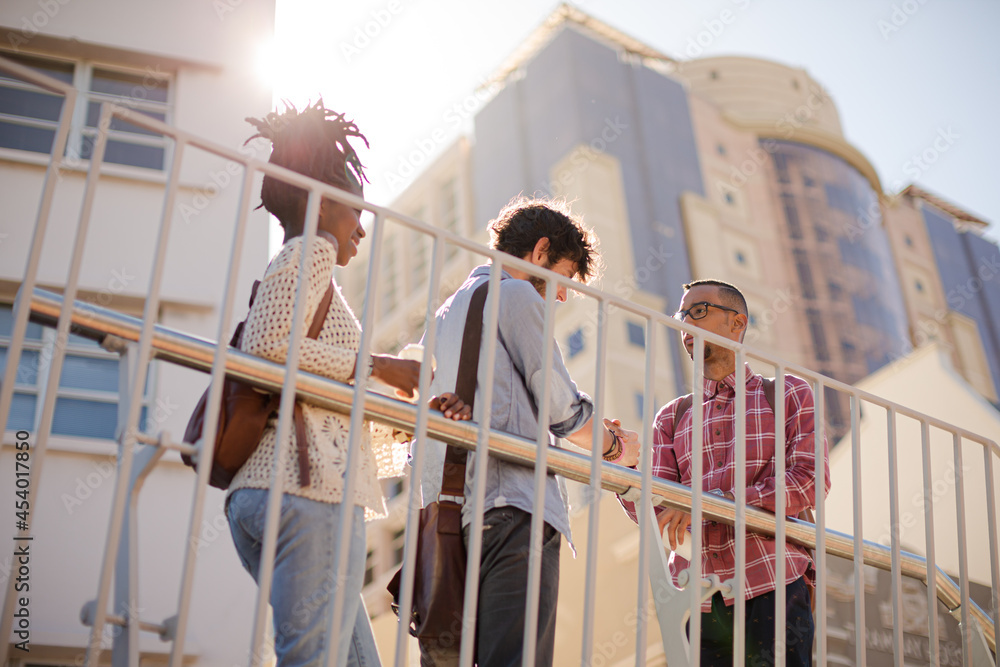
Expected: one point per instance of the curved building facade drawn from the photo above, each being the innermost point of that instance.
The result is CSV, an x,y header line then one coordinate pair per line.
x,y
843,266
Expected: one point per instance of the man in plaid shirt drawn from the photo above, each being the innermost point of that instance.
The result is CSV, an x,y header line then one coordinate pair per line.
x,y
721,308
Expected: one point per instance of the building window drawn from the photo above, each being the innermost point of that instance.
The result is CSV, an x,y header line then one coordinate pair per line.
x,y
29,117
398,544
421,252
387,281
918,285
369,567
574,343
730,199
751,319
740,258
636,334
908,241
818,335
393,487
639,403
805,274
87,396
720,149
449,212
791,216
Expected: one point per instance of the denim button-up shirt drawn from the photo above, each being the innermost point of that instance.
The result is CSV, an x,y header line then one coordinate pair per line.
x,y
517,380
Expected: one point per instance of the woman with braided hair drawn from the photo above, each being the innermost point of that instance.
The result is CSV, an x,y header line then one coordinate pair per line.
x,y
315,143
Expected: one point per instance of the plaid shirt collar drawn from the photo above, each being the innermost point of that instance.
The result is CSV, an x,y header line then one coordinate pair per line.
x,y
726,387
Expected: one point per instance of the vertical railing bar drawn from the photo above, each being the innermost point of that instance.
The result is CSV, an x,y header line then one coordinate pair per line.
x,y
417,474
594,489
859,574
126,644
484,405
991,520
645,465
127,436
356,435
780,564
211,420
932,626
150,314
740,493
286,407
22,307
697,474
896,574
819,403
541,478
963,551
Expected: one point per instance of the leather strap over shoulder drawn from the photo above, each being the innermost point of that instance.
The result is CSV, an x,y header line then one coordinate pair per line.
x,y
301,441
453,474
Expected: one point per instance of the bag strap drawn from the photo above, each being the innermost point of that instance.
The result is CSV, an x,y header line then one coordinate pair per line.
x,y
302,444
453,473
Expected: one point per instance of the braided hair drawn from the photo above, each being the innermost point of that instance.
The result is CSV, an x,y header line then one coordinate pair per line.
x,y
313,142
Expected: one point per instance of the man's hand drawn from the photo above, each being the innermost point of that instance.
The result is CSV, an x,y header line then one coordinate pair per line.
x,y
675,524
403,374
629,440
452,406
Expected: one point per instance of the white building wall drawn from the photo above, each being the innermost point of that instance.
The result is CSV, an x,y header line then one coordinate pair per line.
x,y
209,49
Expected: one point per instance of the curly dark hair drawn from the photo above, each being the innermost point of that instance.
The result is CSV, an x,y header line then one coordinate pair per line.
x,y
522,222
313,142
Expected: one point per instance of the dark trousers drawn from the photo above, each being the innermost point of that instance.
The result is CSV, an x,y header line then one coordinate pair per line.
x,y
503,590
717,629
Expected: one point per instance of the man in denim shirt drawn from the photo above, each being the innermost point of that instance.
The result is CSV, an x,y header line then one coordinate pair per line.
x,y
546,235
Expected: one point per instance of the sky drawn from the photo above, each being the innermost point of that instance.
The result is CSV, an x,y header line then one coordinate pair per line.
x,y
916,82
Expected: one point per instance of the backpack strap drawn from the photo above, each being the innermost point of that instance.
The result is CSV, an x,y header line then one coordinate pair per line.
x,y
769,391
682,408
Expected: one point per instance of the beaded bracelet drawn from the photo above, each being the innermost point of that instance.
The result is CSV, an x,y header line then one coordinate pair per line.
x,y
616,450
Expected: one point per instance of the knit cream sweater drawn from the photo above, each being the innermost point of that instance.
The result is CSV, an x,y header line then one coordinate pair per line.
x,y
332,354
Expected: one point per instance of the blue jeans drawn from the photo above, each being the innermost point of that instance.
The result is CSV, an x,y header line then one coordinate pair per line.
x,y
303,583
503,590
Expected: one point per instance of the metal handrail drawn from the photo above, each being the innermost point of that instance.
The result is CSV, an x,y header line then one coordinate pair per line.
x,y
197,353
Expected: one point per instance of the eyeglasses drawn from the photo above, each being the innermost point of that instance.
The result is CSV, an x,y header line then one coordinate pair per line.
x,y
699,310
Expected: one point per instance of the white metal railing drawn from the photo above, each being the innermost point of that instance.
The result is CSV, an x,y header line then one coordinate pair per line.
x,y
145,340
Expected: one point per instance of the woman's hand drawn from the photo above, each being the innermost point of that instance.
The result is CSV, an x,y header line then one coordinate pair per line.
x,y
403,374
629,440
452,406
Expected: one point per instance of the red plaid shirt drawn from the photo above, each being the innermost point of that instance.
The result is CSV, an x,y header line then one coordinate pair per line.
x,y
672,461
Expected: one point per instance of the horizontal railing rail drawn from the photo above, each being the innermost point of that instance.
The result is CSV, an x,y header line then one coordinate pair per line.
x,y
95,322
153,341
